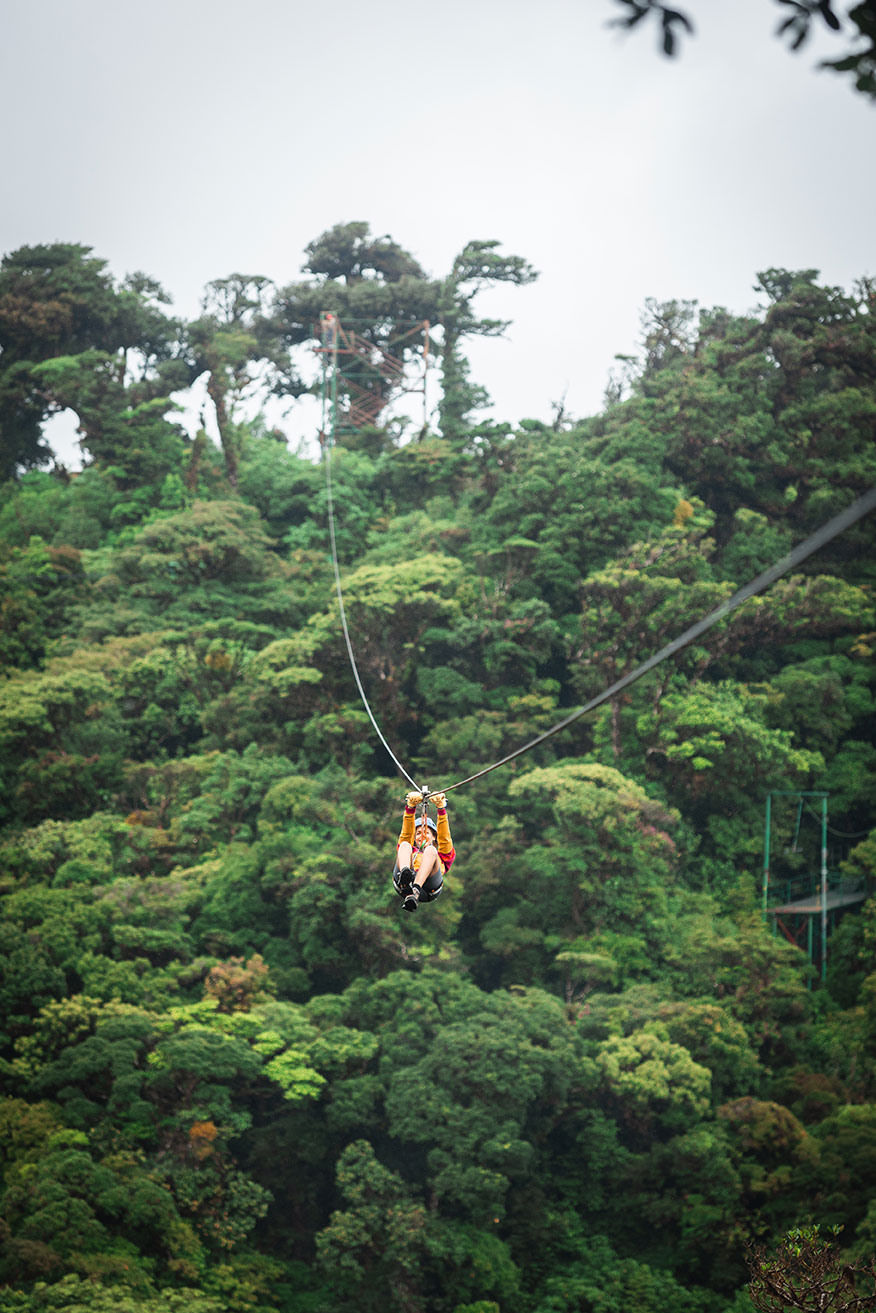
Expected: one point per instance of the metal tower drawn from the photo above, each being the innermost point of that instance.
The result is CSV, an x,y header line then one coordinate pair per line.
x,y
360,376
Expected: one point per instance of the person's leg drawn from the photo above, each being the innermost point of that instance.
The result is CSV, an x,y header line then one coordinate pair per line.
x,y
430,864
433,886
403,863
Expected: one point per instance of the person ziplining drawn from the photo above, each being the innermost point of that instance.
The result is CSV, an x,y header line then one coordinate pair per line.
x,y
424,853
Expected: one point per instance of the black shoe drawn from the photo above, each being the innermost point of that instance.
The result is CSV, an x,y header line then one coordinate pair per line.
x,y
405,879
412,901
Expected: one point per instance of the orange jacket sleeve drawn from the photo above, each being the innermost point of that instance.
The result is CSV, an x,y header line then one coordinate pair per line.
x,y
446,850
407,829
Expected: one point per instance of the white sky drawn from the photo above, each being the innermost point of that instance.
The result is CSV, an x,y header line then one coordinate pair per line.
x,y
194,138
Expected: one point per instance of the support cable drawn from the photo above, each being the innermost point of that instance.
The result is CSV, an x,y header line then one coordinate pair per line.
x,y
831,529
840,834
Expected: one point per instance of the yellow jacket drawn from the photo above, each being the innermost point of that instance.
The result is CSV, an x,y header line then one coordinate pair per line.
x,y
444,843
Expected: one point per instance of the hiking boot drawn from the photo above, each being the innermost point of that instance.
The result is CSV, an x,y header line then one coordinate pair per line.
x,y
405,879
412,901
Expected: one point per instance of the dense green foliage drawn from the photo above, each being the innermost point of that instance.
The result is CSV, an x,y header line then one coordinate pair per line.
x,y
236,1077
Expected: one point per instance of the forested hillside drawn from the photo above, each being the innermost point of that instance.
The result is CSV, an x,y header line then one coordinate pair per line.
x,y
237,1077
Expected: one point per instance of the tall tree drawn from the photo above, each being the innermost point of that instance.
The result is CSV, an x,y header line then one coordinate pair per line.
x,y
385,295
236,345
380,294
59,300
478,266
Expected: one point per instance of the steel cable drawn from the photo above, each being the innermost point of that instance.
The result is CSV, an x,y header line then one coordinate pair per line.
x,y
844,520
355,668
862,506
840,834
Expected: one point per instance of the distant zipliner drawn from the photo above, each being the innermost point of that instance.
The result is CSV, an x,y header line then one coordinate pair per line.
x,y
424,853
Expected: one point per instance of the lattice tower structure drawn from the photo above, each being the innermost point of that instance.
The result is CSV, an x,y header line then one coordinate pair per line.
x,y
361,376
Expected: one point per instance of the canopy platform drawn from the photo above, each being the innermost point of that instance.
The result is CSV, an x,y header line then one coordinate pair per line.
x,y
812,905
804,874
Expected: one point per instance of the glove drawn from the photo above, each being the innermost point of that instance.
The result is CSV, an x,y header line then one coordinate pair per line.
x,y
439,800
413,798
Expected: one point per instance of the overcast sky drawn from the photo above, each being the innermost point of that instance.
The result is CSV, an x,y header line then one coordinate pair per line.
x,y
194,138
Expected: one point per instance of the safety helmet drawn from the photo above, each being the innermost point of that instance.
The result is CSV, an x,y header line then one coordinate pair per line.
x,y
425,820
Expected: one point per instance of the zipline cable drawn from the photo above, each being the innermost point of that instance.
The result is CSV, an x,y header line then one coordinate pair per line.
x,y
329,440
844,520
